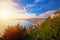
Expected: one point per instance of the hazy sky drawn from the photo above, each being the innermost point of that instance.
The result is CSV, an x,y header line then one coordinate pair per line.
x,y
28,8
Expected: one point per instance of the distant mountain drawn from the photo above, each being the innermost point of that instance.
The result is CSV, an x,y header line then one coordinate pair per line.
x,y
37,18
32,19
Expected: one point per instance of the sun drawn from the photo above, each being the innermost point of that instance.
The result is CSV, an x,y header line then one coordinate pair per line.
x,y
5,16
5,13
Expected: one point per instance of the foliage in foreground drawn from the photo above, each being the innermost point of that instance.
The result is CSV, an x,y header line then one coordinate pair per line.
x,y
14,33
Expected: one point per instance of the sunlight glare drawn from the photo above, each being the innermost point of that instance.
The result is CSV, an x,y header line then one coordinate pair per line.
x,y
5,13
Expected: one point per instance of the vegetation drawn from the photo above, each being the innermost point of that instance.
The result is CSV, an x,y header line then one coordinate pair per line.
x,y
14,33
48,30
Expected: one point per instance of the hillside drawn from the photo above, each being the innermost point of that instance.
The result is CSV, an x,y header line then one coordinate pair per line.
x,y
54,21
51,22
50,28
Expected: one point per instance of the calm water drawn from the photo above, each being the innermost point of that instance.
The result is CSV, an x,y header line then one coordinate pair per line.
x,y
5,23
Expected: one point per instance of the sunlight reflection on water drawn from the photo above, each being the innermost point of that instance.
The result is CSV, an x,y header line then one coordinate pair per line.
x,y
5,23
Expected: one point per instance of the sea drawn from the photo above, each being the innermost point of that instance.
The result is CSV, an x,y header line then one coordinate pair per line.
x,y
5,23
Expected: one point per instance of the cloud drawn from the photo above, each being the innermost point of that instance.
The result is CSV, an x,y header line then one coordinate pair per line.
x,y
42,15
46,14
30,5
21,14
7,3
14,13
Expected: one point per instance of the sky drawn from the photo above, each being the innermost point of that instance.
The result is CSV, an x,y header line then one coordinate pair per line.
x,y
26,9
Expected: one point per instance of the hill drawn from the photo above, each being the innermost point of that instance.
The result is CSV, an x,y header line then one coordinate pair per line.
x,y
50,28
54,21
